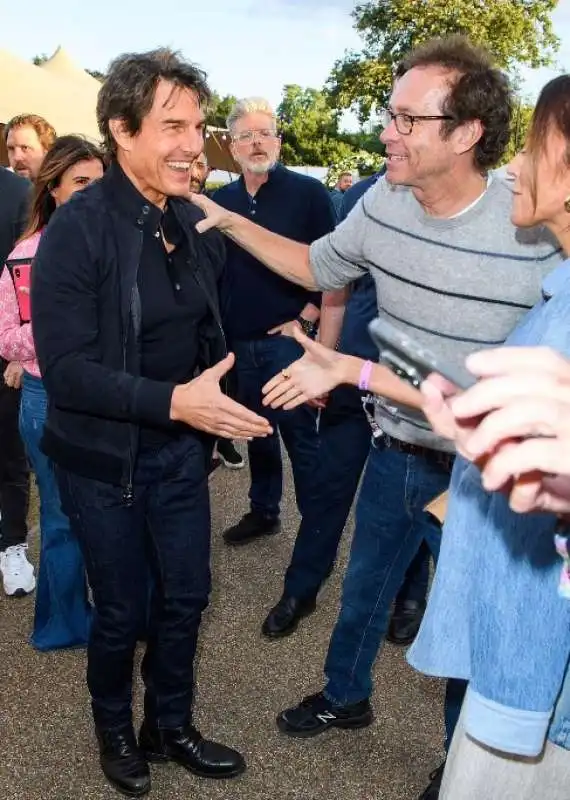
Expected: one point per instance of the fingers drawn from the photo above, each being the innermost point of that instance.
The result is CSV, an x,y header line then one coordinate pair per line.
x,y
205,225
511,360
306,342
435,382
273,398
290,396
222,367
493,393
277,380
234,415
521,419
531,455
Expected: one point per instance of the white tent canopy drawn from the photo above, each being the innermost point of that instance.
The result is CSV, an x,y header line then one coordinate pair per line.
x,y
59,91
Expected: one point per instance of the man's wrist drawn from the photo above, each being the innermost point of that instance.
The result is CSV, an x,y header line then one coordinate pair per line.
x,y
176,403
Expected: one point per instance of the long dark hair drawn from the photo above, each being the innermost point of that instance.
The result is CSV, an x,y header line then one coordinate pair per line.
x,y
552,113
65,153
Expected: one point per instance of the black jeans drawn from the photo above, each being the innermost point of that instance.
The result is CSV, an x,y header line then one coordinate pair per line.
x,y
14,471
166,531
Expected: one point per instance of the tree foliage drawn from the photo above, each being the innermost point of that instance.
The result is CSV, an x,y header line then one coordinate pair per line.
x,y
219,109
310,134
515,31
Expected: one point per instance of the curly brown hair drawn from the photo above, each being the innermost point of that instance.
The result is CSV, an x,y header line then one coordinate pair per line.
x,y
478,90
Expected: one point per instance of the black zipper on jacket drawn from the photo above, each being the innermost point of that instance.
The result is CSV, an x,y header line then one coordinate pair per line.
x,y
134,318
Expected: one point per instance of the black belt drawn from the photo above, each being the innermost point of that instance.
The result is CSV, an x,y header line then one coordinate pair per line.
x,y
439,457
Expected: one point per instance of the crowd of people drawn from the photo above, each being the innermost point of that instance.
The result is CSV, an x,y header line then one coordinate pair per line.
x,y
145,324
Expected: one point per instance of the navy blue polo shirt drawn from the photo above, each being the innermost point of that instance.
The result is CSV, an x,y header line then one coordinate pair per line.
x,y
255,299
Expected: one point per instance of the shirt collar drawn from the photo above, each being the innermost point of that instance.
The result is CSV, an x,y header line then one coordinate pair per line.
x,y
275,175
130,201
556,280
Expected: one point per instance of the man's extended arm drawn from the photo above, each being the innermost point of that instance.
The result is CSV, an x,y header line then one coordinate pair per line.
x,y
283,256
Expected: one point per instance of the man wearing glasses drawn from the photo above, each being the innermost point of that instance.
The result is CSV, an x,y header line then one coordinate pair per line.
x,y
454,273
261,309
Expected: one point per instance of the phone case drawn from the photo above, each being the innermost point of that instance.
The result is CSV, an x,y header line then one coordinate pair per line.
x,y
21,277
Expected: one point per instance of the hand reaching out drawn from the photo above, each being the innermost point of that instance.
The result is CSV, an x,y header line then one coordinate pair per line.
x,y
201,404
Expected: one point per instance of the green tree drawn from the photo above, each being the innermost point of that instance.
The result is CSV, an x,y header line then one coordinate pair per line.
x,y
522,114
39,60
219,109
515,31
100,76
310,134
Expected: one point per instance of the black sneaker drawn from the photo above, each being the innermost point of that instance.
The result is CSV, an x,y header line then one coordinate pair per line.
x,y
432,791
228,454
315,714
251,526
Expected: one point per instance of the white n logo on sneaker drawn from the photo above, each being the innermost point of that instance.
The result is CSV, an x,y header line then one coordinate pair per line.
x,y
326,716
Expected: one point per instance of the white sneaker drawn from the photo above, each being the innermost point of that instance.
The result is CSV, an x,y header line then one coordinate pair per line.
x,y
17,572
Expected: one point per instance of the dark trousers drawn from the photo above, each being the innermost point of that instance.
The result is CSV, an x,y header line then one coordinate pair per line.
x,y
165,531
14,471
344,446
257,361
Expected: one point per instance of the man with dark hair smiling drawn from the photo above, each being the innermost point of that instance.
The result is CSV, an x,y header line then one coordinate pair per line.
x,y
133,379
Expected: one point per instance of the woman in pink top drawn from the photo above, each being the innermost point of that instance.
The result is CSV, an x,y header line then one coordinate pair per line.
x,y
62,614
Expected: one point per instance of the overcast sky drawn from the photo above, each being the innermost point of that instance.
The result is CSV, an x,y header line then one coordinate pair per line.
x,y
247,47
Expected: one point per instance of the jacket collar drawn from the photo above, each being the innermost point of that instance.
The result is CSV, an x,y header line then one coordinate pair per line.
x,y
129,201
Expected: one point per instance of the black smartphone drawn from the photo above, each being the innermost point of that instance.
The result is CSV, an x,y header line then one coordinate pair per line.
x,y
411,361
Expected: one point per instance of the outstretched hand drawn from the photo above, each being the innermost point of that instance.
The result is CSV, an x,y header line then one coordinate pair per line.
x,y
313,375
201,404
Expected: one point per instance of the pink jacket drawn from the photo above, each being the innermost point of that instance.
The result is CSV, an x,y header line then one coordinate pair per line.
x,y
16,340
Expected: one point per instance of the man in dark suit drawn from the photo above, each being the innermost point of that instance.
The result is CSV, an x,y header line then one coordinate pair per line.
x,y
17,573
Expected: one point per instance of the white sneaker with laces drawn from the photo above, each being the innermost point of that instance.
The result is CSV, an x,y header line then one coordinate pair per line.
x,y
17,572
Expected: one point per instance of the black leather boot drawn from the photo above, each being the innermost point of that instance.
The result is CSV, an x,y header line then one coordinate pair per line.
x,y
186,747
124,765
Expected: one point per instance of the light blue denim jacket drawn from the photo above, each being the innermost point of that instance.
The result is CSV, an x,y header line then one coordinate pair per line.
x,y
495,616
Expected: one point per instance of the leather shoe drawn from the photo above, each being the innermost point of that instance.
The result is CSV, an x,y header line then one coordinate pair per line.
x,y
284,617
186,747
405,622
122,761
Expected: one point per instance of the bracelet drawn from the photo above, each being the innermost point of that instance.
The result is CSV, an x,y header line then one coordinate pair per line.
x,y
365,373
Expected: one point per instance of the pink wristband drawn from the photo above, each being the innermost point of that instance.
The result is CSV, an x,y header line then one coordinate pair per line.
x,y
365,373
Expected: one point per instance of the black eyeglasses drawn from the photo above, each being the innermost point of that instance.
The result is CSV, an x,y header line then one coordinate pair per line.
x,y
405,122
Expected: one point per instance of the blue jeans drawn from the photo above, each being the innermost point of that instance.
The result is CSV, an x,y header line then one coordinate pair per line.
x,y
390,526
166,531
258,361
344,446
62,614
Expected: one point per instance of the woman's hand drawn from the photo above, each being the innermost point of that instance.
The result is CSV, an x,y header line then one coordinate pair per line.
x,y
515,422
313,375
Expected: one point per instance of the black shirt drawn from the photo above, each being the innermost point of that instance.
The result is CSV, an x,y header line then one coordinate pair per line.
x,y
172,309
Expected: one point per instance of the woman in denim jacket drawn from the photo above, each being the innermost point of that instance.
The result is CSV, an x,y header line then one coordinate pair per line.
x,y
496,616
